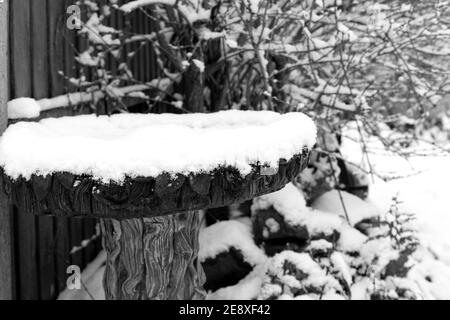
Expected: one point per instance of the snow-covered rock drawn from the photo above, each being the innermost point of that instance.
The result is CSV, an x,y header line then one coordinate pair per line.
x,y
289,202
246,289
346,204
222,236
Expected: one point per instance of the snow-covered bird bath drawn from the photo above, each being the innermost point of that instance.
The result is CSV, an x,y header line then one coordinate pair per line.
x,y
146,177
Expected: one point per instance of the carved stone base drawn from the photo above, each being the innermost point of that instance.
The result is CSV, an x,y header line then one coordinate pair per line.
x,y
153,258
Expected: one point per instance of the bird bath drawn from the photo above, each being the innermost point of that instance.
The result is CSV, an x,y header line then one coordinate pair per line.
x,y
146,177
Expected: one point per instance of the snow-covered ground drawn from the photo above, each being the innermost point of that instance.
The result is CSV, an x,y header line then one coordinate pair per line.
x,y
426,194
422,190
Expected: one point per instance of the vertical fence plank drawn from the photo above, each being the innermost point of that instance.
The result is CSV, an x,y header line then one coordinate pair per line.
x,y
55,12
90,251
26,224
76,239
6,259
40,71
141,54
55,45
68,42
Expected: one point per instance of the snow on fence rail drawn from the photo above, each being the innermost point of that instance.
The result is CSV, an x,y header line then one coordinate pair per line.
x,y
28,108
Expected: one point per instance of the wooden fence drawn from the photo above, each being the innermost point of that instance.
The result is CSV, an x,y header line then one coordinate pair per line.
x,y
40,47
6,276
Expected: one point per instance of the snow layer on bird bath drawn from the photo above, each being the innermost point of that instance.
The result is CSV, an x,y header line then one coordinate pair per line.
x,y
133,145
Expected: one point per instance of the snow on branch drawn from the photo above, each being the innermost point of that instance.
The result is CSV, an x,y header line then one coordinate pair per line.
x,y
133,5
